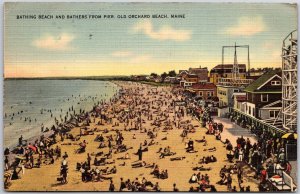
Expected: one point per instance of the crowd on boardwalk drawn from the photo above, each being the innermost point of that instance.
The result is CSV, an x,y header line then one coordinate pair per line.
x,y
149,112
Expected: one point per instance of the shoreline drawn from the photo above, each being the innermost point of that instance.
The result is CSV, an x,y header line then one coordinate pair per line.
x,y
50,132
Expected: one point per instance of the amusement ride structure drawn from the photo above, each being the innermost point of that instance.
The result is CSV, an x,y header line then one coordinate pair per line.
x,y
289,81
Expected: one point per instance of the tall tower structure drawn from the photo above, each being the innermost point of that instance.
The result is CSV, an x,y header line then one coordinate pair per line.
x,y
235,68
289,81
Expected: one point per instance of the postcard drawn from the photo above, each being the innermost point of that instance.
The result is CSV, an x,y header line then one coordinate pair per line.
x,y
197,97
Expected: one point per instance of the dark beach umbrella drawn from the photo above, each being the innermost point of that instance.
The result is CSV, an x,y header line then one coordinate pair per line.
x,y
290,136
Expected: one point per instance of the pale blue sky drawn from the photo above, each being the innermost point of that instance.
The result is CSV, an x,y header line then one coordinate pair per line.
x,y
140,46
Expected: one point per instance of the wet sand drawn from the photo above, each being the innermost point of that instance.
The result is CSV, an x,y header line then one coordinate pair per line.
x,y
45,178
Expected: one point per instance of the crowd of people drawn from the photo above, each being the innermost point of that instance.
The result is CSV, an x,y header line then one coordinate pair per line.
x,y
31,155
45,150
266,156
128,114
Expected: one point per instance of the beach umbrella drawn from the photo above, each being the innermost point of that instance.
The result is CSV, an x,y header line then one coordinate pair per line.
x,y
32,147
290,136
20,157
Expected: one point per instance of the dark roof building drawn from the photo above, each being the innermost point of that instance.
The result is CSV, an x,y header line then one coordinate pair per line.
x,y
202,73
264,96
261,85
227,68
204,86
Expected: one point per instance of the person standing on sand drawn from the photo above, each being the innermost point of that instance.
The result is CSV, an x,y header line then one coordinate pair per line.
x,y
229,182
239,175
6,162
89,160
65,155
122,185
140,153
64,174
20,140
6,151
109,144
111,186
156,187
241,154
31,161
15,175
175,189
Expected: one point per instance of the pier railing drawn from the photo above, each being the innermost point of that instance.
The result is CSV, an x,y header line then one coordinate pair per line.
x,y
257,122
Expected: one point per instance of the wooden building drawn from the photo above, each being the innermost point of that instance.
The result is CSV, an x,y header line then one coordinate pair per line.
x,y
263,96
225,71
204,90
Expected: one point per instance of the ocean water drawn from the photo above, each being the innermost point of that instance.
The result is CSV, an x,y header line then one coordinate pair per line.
x,y
28,104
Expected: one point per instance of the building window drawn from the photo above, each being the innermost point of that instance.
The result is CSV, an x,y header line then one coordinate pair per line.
x,y
200,93
273,114
275,83
236,90
264,98
249,108
209,93
253,111
220,92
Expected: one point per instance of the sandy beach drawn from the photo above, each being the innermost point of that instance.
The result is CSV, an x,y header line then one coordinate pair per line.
x,y
149,100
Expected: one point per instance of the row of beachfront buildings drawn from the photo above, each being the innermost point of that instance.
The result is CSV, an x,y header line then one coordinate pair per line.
x,y
256,94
